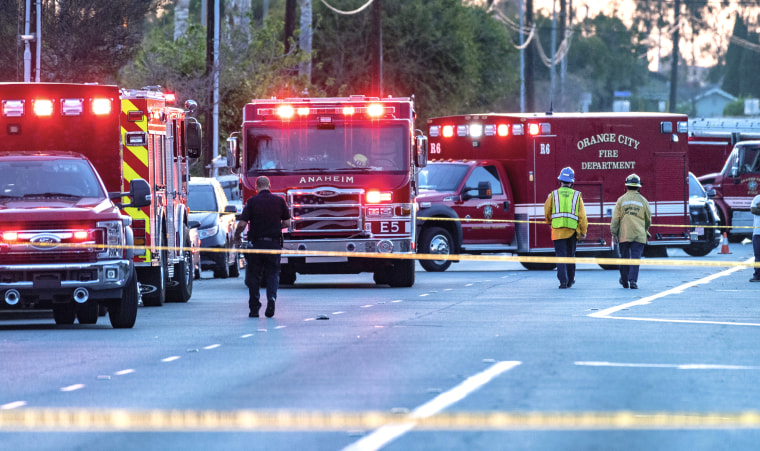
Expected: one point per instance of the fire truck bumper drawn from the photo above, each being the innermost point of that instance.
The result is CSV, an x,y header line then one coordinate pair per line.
x,y
338,250
58,282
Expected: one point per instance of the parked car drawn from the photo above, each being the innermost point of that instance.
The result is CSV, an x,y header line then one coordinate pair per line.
x,y
231,186
208,205
703,212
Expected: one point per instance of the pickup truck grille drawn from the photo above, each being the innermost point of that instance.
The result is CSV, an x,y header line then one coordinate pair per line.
x,y
325,210
50,242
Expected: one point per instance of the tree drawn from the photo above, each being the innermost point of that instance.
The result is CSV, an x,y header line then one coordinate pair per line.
x,y
453,58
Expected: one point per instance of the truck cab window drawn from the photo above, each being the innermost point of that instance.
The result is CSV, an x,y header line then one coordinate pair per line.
x,y
485,174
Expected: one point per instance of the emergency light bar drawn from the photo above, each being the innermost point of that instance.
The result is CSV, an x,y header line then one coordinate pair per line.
x,y
42,107
373,110
475,130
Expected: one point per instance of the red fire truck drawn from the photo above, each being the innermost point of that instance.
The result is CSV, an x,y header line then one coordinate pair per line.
x,y
64,244
727,151
489,175
347,168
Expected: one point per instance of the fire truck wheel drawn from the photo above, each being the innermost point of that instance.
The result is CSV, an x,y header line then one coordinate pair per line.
x,y
87,313
615,253
698,250
182,289
401,274
435,240
154,294
532,266
64,313
123,312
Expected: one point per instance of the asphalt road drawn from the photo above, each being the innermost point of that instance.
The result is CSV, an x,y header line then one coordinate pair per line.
x,y
484,356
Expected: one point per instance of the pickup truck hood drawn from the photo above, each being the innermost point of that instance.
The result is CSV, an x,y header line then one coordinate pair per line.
x,y
56,209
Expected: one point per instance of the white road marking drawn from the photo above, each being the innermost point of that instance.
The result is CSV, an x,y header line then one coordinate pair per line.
x,y
424,294
687,366
212,346
246,336
607,313
73,387
366,306
13,405
170,359
280,327
338,313
123,372
390,432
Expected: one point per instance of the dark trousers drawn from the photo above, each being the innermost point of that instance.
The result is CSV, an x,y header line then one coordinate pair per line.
x,y
262,266
633,251
756,248
565,248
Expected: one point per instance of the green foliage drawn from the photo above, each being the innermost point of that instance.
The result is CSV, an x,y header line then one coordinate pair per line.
x,y
605,57
453,58
735,108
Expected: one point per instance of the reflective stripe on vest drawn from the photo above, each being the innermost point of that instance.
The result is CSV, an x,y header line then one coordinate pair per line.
x,y
565,210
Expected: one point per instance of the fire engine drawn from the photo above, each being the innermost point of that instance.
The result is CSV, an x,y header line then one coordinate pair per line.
x,y
489,175
727,149
347,168
70,241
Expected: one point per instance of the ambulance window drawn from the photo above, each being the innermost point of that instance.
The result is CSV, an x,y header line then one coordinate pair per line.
x,y
486,174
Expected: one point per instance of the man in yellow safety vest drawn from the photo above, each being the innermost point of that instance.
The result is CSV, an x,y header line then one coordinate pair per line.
x,y
564,210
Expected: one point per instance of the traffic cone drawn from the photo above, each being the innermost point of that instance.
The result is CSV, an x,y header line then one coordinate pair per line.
x,y
724,246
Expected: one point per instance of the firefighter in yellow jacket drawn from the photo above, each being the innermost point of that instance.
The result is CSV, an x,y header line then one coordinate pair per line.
x,y
630,228
565,212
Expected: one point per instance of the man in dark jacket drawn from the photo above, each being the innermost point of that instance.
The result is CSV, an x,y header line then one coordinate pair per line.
x,y
267,214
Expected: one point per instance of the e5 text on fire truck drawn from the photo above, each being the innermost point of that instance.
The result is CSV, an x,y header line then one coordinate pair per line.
x,y
347,168
67,155
489,175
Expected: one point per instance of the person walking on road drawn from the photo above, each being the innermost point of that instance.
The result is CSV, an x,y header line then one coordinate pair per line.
x,y
755,209
565,212
630,228
267,214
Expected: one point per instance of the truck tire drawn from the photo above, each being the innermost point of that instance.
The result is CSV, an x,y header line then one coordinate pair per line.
x,y
531,266
155,282
614,253
435,240
123,312
698,250
401,274
64,313
87,313
222,268
182,286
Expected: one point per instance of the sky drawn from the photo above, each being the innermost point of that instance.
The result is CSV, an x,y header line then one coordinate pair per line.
x,y
703,51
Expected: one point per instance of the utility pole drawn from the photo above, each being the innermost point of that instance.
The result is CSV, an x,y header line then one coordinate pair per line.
x,y
529,86
674,63
376,41
210,139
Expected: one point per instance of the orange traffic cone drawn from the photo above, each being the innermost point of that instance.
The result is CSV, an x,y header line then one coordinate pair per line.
x,y
724,246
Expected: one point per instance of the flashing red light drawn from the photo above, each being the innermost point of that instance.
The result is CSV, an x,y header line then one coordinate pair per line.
x,y
376,197
170,97
502,130
303,111
10,236
534,129
448,131
375,110
101,106
285,111
43,107
81,235
348,110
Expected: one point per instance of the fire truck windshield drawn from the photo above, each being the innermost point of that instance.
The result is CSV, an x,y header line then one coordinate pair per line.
x,y
48,179
352,148
442,177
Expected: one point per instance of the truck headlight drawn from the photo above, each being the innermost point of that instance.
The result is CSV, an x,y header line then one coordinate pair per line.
x,y
205,233
114,239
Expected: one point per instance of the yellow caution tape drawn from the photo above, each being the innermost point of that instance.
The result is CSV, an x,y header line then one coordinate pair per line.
x,y
45,420
519,221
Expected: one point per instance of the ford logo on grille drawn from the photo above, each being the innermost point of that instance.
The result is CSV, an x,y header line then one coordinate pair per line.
x,y
326,193
45,241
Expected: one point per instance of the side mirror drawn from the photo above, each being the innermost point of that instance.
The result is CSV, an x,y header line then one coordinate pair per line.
x,y
193,224
139,193
484,190
421,150
232,152
230,209
711,193
193,138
